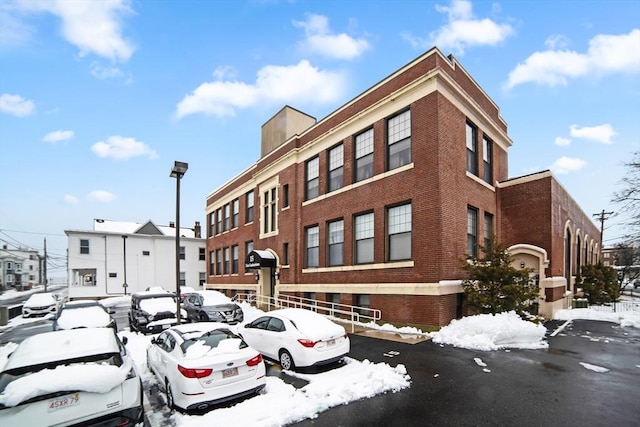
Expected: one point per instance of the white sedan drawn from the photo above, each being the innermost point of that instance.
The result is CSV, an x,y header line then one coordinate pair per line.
x,y
200,365
296,338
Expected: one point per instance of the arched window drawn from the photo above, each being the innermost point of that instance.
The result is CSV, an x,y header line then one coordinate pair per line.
x,y
578,255
567,257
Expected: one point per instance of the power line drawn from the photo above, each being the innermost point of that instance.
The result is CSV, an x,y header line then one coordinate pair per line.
x,y
603,216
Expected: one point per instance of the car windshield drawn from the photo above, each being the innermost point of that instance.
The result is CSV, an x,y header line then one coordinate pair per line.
x,y
212,340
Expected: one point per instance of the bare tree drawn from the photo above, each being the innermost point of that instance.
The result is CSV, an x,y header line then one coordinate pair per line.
x,y
628,197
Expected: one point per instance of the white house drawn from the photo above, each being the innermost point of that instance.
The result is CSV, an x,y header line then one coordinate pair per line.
x,y
20,268
117,258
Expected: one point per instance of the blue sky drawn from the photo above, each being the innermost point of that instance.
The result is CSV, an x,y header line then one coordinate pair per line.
x,y
97,99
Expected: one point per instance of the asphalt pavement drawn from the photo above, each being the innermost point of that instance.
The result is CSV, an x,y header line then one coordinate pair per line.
x,y
515,388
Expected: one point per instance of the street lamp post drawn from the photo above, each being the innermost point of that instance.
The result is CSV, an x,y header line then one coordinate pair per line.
x,y
177,172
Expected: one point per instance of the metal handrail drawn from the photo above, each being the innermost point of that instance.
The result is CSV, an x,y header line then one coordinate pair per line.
x,y
342,312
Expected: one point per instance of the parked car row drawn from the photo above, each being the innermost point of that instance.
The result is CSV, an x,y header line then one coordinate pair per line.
x,y
213,357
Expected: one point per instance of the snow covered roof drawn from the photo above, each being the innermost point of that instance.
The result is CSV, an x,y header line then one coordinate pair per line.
x,y
105,225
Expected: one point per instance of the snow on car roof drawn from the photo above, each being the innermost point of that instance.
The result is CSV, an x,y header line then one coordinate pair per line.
x,y
91,316
62,345
199,328
158,304
310,323
214,297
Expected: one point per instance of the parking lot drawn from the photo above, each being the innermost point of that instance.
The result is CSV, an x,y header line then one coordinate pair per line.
x,y
589,375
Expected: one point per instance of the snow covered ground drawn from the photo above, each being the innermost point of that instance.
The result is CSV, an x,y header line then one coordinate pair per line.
x,y
282,403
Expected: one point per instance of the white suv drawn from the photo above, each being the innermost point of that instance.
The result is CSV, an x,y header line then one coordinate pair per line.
x,y
77,376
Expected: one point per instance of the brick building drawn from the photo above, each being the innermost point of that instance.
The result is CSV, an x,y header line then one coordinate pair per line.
x,y
376,204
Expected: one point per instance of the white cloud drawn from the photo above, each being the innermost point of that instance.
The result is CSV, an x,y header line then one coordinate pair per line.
x,y
93,26
565,165
463,30
101,196
70,200
300,83
556,41
320,40
122,148
100,72
602,133
16,105
57,136
607,54
562,142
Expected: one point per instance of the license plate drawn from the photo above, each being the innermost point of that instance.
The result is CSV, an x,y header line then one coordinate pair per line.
x,y
64,402
331,342
231,372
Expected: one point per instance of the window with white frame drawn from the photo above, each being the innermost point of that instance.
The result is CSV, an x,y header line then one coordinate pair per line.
x,y
364,238
201,254
84,246
219,228
182,253
227,217
399,140
235,213
336,242
487,160
336,167
472,148
269,210
183,278
488,231
399,231
212,223
218,262
364,155
249,207
472,231
248,247
312,171
234,259
212,263
312,246
226,260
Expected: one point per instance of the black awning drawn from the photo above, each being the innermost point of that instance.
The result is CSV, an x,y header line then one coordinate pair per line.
x,y
259,259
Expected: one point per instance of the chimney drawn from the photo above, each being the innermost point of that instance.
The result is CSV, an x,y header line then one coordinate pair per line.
x,y
172,224
197,230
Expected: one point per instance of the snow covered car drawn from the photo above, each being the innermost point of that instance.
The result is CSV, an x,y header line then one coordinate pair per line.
x,y
296,338
153,311
212,306
71,377
40,305
204,364
83,314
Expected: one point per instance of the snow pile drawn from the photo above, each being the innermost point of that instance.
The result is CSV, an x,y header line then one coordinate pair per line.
x,y
403,331
282,403
488,332
623,318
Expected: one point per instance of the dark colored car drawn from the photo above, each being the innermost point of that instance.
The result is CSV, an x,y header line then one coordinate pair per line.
x,y
84,314
153,311
212,306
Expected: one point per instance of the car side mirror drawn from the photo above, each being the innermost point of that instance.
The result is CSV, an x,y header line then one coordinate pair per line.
x,y
125,340
153,340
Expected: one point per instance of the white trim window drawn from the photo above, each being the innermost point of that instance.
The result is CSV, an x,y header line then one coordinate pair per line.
x,y
399,223
364,155
399,140
364,234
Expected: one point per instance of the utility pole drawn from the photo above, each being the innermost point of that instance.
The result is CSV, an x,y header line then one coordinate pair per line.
x,y
44,265
602,217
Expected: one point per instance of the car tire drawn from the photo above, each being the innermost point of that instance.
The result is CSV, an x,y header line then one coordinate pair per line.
x,y
170,402
286,361
202,317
